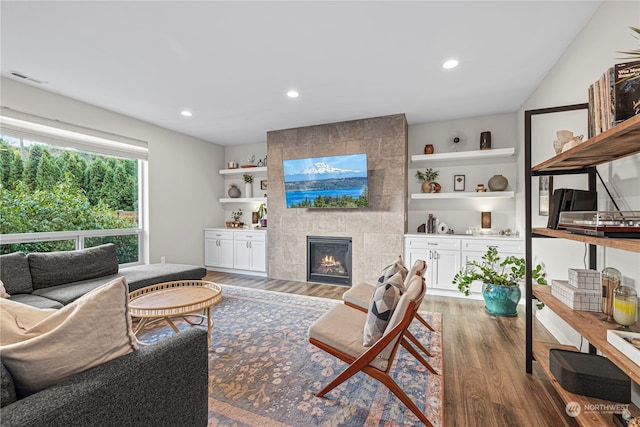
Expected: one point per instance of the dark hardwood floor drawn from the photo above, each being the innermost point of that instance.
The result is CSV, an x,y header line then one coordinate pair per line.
x,y
485,380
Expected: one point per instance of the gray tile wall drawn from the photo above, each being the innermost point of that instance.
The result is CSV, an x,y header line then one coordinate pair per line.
x,y
376,231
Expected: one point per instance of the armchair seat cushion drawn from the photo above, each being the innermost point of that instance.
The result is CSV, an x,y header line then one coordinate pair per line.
x,y
341,328
359,295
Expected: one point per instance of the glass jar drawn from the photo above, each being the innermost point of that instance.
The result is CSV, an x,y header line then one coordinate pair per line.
x,y
610,279
625,306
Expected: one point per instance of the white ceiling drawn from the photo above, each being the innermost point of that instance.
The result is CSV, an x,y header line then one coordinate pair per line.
x,y
231,63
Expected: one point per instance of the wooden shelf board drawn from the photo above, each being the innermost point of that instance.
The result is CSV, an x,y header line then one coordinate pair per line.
x,y
586,418
631,245
621,141
494,153
590,325
463,195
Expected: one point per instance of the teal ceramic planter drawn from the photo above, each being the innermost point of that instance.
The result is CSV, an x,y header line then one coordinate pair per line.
x,y
501,300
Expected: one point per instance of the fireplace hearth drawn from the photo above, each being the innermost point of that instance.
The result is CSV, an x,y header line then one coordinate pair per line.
x,y
329,260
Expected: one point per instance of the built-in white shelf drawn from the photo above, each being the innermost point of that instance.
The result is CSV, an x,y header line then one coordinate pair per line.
x,y
243,200
463,195
494,153
258,170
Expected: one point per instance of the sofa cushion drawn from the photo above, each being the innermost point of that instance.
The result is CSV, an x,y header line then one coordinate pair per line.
x,y
140,276
42,347
7,388
15,273
69,292
58,268
36,301
383,303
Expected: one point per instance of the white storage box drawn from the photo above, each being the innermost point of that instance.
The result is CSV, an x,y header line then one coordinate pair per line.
x,y
585,279
622,341
577,299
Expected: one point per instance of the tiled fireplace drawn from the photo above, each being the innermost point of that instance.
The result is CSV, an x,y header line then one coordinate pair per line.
x,y
329,260
376,231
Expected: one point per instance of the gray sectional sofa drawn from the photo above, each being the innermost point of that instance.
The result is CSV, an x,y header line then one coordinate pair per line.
x,y
161,384
164,384
52,280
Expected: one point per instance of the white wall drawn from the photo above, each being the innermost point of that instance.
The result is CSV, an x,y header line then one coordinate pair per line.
x,y
593,51
184,183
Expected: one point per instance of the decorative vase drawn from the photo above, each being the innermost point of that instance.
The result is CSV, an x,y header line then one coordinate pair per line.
x,y
428,149
426,186
234,192
248,189
485,140
436,187
498,183
501,300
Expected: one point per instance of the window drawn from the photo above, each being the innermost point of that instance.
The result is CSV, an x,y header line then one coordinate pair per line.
x,y
59,196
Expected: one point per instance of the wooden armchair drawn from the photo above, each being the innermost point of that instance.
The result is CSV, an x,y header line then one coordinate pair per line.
x,y
359,296
339,332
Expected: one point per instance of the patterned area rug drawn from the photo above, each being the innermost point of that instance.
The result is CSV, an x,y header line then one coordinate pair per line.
x,y
263,371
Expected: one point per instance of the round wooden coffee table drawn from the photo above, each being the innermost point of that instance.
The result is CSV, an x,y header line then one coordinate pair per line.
x,y
184,298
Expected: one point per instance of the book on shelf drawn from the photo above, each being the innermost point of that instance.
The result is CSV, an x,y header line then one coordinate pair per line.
x,y
614,97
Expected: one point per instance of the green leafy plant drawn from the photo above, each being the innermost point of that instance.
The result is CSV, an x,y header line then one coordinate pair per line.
x,y
262,210
428,175
247,178
495,271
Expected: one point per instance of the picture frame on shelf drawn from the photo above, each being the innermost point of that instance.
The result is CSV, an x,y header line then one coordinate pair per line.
x,y
263,184
458,183
545,189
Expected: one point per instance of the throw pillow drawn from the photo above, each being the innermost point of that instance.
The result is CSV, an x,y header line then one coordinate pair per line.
x,y
383,303
3,291
41,347
390,270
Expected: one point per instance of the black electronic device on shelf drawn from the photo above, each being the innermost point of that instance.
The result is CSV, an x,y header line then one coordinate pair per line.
x,y
568,199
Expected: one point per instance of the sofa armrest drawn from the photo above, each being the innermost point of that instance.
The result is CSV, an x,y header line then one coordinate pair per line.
x,y
162,384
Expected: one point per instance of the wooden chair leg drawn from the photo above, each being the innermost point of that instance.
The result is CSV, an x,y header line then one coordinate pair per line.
x,y
424,322
417,343
417,355
400,394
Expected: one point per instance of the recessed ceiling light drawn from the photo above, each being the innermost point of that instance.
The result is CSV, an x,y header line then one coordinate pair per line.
x,y
293,94
452,63
186,113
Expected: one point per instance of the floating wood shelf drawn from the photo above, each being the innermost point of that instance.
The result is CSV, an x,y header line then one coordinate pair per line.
x,y
620,141
631,245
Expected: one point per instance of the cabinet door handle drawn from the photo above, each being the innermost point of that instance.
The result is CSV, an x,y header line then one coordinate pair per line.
x,y
430,254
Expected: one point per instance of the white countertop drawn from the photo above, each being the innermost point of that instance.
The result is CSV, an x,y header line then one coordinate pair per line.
x,y
465,236
245,228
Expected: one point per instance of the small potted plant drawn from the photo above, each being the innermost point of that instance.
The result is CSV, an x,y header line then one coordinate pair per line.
x,y
262,215
248,185
500,281
426,177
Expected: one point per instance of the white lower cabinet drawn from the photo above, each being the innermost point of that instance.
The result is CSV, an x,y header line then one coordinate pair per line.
x,y
442,257
445,256
218,249
249,251
236,251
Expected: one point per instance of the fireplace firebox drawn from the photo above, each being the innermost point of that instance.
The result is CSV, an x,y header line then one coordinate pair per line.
x,y
329,260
